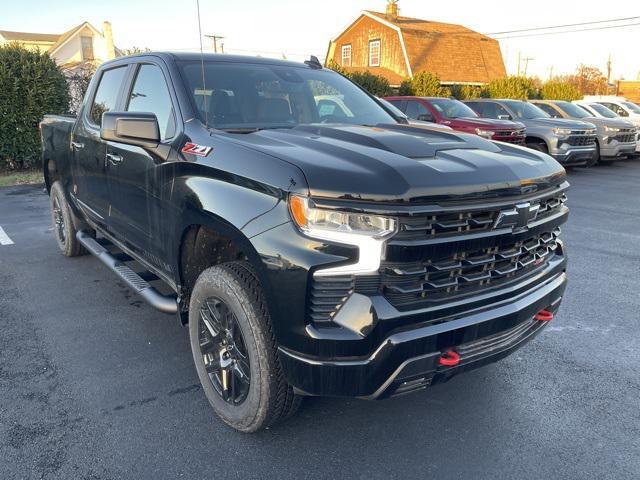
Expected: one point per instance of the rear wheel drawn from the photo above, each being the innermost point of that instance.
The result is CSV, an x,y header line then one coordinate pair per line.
x,y
234,349
62,219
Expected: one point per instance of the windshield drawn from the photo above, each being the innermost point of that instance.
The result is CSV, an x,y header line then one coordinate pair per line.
x,y
396,111
602,110
450,108
247,97
573,110
632,106
525,110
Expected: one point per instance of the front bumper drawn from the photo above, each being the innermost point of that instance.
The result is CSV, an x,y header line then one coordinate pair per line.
x,y
575,156
408,359
616,149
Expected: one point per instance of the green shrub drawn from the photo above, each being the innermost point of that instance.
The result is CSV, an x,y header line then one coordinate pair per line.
x,y
31,84
374,84
424,84
518,88
559,90
465,92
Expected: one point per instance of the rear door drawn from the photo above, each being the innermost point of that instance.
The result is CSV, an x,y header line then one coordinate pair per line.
x,y
138,180
89,168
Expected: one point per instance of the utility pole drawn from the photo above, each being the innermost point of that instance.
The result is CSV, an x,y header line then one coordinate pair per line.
x,y
551,72
609,69
215,39
526,64
519,63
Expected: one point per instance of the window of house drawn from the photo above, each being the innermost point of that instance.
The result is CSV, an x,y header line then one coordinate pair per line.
x,y
346,55
374,53
106,96
150,94
87,48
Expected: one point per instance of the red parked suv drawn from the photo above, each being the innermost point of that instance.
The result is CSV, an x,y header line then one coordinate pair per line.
x,y
455,114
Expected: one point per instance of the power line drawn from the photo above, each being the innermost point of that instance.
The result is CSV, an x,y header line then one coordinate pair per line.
x,y
564,26
569,31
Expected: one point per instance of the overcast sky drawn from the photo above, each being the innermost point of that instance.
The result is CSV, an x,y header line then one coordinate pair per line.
x,y
299,28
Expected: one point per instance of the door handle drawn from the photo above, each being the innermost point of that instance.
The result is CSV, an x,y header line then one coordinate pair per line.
x,y
114,159
77,145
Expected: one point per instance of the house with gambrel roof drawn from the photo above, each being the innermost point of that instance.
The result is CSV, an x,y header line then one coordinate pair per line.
x,y
398,47
81,46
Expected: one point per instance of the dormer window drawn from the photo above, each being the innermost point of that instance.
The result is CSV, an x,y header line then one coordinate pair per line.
x,y
374,53
87,47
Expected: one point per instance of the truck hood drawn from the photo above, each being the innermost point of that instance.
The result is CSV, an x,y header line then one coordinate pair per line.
x,y
401,163
484,123
558,123
609,122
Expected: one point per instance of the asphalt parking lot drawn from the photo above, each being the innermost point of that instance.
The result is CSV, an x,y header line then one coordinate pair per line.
x,y
95,384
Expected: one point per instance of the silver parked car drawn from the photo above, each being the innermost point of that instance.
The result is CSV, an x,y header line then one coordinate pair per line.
x,y
570,142
616,137
600,111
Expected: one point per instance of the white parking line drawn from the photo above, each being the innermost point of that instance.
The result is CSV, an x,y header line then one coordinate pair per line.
x,y
4,238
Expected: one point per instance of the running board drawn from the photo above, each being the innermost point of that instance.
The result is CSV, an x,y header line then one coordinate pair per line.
x,y
166,304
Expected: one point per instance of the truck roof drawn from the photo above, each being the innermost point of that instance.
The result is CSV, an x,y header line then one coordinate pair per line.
x,y
215,57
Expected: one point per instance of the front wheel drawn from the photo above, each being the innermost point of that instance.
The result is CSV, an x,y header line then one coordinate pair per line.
x,y
234,349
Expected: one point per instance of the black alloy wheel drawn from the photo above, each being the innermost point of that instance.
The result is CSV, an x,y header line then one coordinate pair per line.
x,y
224,351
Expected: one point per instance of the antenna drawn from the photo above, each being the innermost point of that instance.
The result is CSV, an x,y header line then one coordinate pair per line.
x,y
204,85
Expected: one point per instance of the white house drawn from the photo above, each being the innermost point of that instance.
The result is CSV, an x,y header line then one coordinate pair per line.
x,y
81,46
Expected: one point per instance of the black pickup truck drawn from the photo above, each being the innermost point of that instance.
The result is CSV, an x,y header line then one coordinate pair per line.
x,y
315,243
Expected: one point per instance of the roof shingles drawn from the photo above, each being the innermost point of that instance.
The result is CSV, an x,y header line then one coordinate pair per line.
x,y
453,52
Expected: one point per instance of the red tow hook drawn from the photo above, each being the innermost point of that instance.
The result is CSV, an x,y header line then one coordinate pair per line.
x,y
544,315
449,359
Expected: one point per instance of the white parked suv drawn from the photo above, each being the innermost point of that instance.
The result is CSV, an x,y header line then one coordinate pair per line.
x,y
613,107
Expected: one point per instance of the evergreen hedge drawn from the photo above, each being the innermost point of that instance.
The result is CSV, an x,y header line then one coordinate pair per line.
x,y
31,85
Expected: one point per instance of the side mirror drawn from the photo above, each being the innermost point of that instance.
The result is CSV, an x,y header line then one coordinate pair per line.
x,y
132,128
425,118
504,117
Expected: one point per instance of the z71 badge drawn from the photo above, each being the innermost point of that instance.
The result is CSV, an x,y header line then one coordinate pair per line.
x,y
194,149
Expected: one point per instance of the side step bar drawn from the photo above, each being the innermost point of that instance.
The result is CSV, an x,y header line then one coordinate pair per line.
x,y
166,304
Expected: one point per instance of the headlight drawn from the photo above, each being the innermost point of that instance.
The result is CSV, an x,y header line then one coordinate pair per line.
x,y
561,132
367,232
611,129
316,222
485,133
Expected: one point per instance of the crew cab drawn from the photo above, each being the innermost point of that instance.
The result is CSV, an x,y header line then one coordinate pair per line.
x,y
309,253
455,114
616,138
570,142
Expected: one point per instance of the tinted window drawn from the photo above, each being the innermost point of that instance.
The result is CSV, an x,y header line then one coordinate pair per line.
x,y
573,110
106,95
248,97
490,110
548,109
632,106
615,109
602,110
450,108
525,110
150,94
418,111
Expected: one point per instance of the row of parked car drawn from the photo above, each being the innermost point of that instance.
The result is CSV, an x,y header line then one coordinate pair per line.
x,y
579,133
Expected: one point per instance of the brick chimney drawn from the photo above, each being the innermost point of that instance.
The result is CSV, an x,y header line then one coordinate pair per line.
x,y
392,10
108,38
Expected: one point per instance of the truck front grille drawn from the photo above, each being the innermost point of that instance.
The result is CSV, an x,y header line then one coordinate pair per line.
x,y
510,136
580,140
445,278
626,136
463,223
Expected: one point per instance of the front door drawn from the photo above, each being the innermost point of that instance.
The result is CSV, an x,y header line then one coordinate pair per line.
x,y
138,181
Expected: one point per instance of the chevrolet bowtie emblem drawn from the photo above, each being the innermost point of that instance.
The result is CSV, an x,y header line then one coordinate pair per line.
x,y
518,217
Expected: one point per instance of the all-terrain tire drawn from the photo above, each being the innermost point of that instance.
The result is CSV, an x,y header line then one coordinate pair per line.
x,y
270,398
64,229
